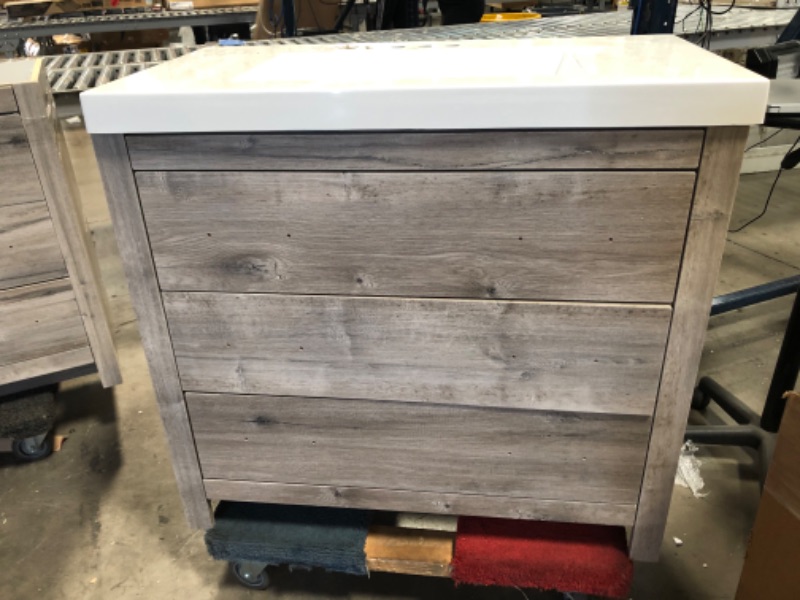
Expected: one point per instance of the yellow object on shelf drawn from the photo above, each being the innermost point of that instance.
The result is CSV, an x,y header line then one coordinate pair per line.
x,y
518,16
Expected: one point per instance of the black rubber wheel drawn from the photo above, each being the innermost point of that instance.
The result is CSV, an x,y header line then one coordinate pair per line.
x,y
700,400
25,450
258,582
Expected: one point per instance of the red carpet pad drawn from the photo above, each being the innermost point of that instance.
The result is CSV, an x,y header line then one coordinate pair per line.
x,y
568,557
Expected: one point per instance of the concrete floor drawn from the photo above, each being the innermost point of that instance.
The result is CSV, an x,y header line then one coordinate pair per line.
x,y
101,519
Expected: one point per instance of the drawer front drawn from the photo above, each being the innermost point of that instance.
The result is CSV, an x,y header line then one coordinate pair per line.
x,y
19,176
581,357
397,446
30,250
8,103
594,236
41,331
419,151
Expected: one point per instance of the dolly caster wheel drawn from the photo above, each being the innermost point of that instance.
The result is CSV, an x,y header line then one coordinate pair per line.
x,y
34,448
251,575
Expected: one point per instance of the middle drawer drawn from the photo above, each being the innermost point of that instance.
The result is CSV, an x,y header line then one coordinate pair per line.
x,y
605,236
595,358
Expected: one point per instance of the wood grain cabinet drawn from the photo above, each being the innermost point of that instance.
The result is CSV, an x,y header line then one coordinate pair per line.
x,y
53,319
488,322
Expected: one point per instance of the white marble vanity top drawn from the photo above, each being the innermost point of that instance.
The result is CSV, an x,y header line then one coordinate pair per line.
x,y
628,82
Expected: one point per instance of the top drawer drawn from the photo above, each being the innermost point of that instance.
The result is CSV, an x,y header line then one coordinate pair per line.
x,y
8,103
420,151
593,236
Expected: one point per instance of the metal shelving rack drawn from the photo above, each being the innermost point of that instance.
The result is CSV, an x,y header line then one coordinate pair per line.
x,y
12,32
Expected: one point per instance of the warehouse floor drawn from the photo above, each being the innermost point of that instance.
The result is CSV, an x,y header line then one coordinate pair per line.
x,y
101,519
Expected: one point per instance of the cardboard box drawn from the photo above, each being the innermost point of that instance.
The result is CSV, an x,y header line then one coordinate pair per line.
x,y
311,14
129,40
772,565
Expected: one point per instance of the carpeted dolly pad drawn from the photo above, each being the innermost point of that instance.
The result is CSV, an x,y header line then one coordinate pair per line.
x,y
568,557
299,536
27,414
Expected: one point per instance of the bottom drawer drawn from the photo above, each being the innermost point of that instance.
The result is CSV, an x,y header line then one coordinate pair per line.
x,y
500,459
41,331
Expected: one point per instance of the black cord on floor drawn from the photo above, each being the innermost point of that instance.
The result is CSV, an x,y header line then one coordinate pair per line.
x,y
766,139
769,195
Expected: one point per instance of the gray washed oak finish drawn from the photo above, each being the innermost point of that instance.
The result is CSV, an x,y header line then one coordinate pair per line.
x,y
30,249
378,360
7,102
53,317
432,448
323,233
597,358
40,329
419,151
15,157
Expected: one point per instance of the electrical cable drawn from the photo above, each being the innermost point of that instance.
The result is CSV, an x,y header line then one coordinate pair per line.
x,y
771,189
728,9
766,139
682,22
705,22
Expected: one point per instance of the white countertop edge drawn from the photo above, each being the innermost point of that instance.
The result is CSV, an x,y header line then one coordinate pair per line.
x,y
19,70
556,107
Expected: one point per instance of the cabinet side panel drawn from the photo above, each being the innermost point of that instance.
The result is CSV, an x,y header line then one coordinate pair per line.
x,y
134,248
61,193
717,181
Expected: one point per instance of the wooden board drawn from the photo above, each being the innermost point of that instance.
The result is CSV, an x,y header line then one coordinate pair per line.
x,y
783,479
426,448
29,252
409,551
7,102
415,151
39,325
717,182
134,249
20,179
533,509
548,356
555,236
61,192
51,368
